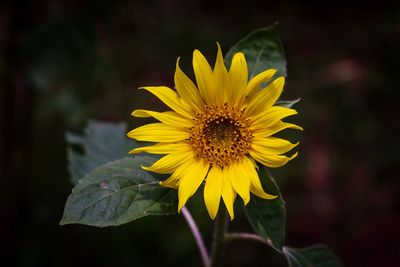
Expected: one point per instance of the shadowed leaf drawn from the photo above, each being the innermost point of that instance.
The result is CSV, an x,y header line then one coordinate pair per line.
x,y
263,50
267,217
315,256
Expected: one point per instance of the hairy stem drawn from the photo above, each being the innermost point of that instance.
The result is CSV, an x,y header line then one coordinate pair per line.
x,y
219,237
197,236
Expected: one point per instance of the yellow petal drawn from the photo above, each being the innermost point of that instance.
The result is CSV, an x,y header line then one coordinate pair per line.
x,y
170,162
240,181
204,77
220,76
255,186
273,161
158,132
254,84
254,163
277,127
174,180
270,116
162,148
228,194
213,191
191,179
187,89
169,117
265,98
237,78
272,145
170,98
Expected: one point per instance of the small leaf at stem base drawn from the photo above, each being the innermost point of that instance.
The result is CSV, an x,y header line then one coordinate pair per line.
x,y
314,256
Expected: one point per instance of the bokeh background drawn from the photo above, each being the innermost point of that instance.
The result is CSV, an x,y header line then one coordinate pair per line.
x,y
64,62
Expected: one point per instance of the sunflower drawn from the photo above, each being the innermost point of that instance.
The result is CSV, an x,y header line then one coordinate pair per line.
x,y
217,131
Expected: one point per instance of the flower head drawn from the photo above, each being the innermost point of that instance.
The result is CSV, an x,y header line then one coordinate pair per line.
x,y
216,131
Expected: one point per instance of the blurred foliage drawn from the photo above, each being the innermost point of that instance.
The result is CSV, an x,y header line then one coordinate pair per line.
x,y
102,143
63,62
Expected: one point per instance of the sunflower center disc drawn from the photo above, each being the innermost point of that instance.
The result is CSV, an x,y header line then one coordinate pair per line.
x,y
221,132
221,136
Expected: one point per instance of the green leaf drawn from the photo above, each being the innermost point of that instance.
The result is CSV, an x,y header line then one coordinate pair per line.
x,y
117,193
263,50
267,217
315,256
287,103
103,142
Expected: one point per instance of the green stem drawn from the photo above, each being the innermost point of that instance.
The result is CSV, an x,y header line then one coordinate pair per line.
x,y
219,237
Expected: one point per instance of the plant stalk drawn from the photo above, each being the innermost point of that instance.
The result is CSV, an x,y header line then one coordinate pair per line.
x,y
197,236
219,237
246,236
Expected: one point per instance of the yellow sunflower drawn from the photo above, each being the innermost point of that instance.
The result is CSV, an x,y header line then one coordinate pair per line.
x,y
216,131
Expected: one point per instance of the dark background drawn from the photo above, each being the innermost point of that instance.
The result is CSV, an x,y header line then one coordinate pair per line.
x,y
63,62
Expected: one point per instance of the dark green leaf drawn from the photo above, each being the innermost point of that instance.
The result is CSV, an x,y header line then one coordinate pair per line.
x,y
267,217
263,50
102,143
315,256
287,103
118,193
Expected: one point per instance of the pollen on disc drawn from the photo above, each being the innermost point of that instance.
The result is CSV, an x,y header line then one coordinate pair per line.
x,y
221,135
